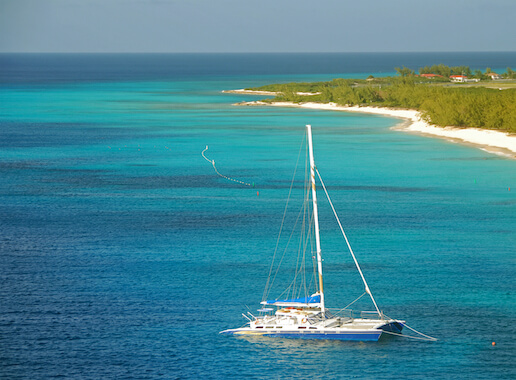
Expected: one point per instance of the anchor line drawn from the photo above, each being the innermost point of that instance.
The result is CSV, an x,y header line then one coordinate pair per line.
x,y
420,337
410,336
212,162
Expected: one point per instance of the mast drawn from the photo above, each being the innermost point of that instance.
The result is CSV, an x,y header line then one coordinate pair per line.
x,y
316,216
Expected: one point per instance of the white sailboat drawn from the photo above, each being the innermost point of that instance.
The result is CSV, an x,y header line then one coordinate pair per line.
x,y
308,317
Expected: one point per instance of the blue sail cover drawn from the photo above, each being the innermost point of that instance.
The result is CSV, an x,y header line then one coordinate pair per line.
x,y
315,299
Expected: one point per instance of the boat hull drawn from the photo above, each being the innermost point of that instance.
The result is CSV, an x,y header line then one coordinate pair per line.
x,y
371,333
393,327
365,335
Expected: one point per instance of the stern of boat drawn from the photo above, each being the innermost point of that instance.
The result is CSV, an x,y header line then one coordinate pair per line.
x,y
393,326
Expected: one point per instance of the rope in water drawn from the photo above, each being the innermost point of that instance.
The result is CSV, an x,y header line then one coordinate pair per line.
x,y
411,337
426,337
222,175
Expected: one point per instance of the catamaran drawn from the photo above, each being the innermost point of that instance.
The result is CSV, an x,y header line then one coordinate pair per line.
x,y
308,317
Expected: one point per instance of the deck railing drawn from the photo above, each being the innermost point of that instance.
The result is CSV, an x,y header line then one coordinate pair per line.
x,y
349,313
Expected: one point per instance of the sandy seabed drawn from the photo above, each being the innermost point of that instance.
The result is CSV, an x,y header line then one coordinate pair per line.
x,y
491,141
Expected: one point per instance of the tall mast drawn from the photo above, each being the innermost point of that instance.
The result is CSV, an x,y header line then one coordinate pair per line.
x,y
316,216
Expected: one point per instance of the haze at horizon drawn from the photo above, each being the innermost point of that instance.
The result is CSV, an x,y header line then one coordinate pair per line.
x,y
173,26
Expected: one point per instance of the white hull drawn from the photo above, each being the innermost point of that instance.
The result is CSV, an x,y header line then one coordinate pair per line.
x,y
361,329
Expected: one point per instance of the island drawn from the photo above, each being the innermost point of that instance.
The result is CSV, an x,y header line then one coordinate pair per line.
x,y
477,108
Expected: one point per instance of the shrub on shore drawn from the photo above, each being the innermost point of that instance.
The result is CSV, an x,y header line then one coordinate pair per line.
x,y
440,105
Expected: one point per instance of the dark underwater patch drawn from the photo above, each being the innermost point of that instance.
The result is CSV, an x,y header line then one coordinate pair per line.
x,y
31,135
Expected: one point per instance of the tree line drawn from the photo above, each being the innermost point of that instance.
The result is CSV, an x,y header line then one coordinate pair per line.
x,y
446,71
440,105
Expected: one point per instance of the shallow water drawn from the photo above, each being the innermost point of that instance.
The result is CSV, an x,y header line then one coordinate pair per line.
x,y
123,254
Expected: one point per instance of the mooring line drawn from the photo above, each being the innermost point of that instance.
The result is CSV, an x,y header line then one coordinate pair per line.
x,y
222,175
410,336
425,337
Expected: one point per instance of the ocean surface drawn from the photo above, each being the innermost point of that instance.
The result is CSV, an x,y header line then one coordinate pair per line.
x,y
123,253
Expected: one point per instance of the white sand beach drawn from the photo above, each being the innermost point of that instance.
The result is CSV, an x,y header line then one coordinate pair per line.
x,y
268,93
491,141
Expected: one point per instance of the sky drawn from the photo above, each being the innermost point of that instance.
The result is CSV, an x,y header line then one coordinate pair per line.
x,y
116,26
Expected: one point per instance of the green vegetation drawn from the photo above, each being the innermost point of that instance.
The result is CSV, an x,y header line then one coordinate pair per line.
x,y
509,74
445,71
404,72
440,103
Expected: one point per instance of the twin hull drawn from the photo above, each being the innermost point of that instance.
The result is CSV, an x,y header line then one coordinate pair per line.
x,y
353,332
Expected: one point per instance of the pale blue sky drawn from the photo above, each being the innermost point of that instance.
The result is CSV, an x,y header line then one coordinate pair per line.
x,y
257,26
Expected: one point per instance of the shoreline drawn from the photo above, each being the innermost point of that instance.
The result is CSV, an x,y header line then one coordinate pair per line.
x,y
267,93
496,142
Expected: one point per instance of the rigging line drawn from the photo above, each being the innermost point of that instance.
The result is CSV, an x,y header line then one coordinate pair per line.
x,y
368,291
307,217
305,239
363,294
309,235
285,251
296,289
299,260
309,245
311,239
222,175
303,243
302,248
300,265
267,288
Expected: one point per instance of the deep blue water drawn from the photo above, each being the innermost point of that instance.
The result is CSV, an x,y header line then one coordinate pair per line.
x,y
123,254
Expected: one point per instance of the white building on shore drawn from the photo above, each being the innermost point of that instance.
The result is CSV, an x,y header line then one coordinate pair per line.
x,y
459,78
493,76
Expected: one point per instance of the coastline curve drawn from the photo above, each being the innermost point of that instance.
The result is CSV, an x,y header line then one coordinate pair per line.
x,y
496,142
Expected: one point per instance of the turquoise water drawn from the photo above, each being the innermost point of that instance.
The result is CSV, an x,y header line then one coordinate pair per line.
x,y
123,254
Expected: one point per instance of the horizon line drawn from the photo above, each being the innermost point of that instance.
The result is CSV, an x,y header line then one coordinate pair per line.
x,y
261,52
